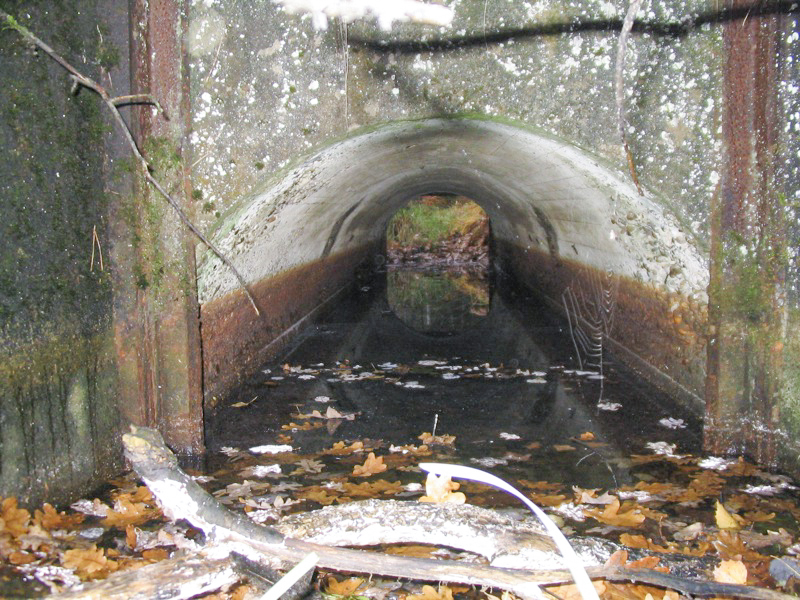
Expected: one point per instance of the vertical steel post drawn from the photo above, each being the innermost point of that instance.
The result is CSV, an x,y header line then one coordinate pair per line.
x,y
158,333
747,310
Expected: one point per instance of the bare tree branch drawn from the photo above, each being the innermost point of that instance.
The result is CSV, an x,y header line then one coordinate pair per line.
x,y
112,103
619,86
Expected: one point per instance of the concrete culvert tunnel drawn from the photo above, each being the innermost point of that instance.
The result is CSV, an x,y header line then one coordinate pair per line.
x,y
292,147
558,218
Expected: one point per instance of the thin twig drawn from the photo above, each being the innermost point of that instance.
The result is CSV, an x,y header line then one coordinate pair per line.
x,y
112,104
619,86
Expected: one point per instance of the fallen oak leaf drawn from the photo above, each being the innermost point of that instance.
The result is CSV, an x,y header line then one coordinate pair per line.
x,y
13,519
50,518
371,466
88,561
372,489
444,440
612,515
339,448
346,587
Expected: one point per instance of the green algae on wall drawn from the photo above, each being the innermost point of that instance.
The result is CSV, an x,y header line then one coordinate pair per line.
x,y
58,419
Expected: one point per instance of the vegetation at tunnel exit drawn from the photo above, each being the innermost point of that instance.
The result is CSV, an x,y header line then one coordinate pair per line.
x,y
430,220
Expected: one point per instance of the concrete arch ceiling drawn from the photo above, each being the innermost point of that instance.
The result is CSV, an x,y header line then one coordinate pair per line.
x,y
551,207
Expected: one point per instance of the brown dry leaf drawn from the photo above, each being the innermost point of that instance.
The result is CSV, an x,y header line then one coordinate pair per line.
x,y
548,499
143,494
372,489
759,516
618,559
563,448
431,593
88,561
21,558
586,436
130,536
415,550
639,541
346,587
50,518
443,440
540,485
155,554
13,519
612,515
316,494
731,571
723,518
590,496
339,448
126,512
292,426
533,445
707,483
371,466
442,489
730,546
571,592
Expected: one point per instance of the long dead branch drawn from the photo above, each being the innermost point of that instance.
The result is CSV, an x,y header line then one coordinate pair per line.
x,y
182,498
619,86
81,80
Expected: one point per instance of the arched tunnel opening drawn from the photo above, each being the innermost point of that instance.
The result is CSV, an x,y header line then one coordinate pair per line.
x,y
589,324
438,263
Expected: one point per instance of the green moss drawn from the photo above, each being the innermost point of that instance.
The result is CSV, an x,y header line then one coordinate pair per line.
x,y
197,194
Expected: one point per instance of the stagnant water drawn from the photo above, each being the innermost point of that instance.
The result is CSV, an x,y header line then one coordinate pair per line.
x,y
493,367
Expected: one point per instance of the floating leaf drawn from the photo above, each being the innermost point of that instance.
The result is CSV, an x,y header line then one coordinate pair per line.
x,y
612,515
373,489
340,449
443,440
371,466
563,448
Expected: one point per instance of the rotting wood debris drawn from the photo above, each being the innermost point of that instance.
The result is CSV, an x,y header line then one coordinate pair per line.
x,y
229,534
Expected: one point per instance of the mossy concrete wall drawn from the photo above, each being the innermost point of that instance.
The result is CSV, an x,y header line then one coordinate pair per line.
x,y
58,416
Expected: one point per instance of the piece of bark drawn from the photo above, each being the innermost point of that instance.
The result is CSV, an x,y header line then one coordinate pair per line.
x,y
503,541
182,498
176,578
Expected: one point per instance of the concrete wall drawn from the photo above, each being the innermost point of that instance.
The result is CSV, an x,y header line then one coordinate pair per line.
x,y
58,416
268,91
306,141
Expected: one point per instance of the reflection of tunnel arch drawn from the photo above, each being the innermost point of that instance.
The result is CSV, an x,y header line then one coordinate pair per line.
x,y
300,239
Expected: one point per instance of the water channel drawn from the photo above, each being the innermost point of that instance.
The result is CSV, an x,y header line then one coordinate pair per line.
x,y
467,355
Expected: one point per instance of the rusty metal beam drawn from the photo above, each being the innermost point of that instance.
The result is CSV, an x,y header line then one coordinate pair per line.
x,y
748,256
157,320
